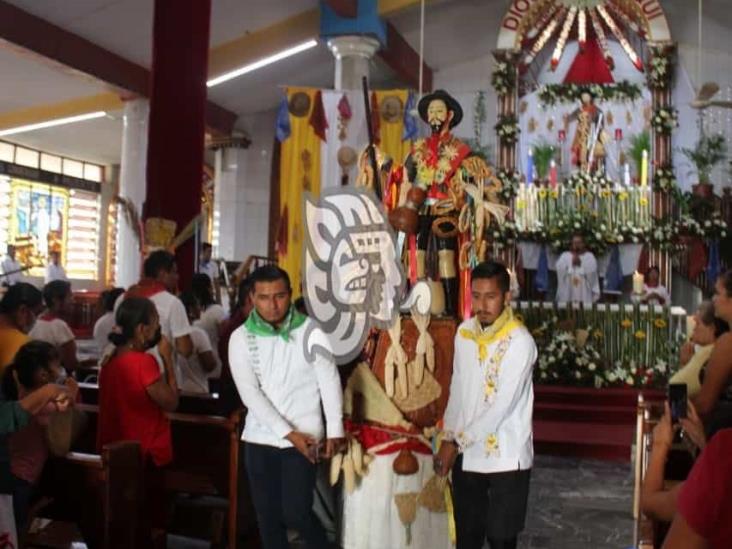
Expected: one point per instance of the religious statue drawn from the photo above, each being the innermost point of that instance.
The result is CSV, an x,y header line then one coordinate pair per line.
x,y
588,145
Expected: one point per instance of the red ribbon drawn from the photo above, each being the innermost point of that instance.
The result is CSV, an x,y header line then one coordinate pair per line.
x,y
147,287
413,259
370,436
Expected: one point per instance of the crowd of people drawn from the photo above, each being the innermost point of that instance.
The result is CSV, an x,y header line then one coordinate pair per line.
x,y
154,343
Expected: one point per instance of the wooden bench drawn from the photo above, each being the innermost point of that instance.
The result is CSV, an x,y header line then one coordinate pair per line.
x,y
101,494
205,457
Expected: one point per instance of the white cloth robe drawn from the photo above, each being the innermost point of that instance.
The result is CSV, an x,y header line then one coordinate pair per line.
x,y
577,284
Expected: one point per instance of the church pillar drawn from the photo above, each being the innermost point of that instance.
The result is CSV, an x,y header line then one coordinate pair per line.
x,y
353,55
132,188
177,109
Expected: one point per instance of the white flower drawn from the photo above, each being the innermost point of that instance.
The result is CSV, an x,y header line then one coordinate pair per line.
x,y
577,375
591,367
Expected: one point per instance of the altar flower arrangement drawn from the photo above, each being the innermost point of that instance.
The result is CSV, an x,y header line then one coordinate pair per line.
x,y
503,78
664,180
507,129
509,184
569,358
660,68
664,120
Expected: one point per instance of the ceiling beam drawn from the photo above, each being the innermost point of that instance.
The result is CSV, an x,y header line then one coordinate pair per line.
x,y
73,107
48,40
344,8
404,60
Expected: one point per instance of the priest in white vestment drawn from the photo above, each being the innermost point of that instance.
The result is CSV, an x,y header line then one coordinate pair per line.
x,y
577,278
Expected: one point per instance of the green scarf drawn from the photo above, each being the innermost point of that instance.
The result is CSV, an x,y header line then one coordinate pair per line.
x,y
260,327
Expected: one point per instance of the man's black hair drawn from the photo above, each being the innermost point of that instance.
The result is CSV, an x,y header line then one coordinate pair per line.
x,y
206,246
159,260
56,290
269,273
109,298
493,269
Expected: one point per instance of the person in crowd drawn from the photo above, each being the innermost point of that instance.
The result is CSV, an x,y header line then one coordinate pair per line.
x,y
228,395
487,438
134,396
14,416
705,500
654,293
212,314
11,268
159,284
695,353
19,309
104,324
194,371
656,501
283,392
54,270
36,364
51,326
714,400
577,278
209,267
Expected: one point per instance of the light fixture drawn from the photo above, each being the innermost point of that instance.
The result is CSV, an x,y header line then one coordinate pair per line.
x,y
262,62
52,123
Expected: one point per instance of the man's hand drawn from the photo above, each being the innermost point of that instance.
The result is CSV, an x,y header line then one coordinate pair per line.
x,y
73,388
693,426
663,433
576,260
302,443
445,458
333,446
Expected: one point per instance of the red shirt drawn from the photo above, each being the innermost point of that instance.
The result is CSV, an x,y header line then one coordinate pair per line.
x,y
126,411
705,500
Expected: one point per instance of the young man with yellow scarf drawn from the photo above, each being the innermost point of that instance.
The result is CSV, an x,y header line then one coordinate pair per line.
x,y
487,439
284,427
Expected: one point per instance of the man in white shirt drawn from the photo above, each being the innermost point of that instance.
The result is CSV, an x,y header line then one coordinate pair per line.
x,y
487,439
577,278
11,268
283,392
104,325
208,266
54,270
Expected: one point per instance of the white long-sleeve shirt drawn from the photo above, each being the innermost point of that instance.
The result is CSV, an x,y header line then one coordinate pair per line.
x,y
282,390
577,283
493,434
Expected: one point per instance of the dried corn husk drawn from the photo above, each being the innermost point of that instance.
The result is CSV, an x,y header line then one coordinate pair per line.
x,y
396,357
349,474
377,406
335,468
425,348
402,380
432,496
407,506
357,456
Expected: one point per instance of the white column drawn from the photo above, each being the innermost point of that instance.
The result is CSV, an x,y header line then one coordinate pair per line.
x,y
132,186
352,54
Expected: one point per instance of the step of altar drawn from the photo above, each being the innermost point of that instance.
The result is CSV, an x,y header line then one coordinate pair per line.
x,y
583,413
584,439
609,396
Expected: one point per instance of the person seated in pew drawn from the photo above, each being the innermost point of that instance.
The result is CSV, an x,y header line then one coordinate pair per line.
x,y
212,315
194,371
51,326
134,396
705,501
36,364
159,285
284,427
15,415
105,323
714,400
657,502
695,353
19,309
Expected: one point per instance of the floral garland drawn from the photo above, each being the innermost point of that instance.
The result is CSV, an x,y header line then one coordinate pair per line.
x,y
585,181
712,228
510,181
552,94
508,129
664,120
660,68
664,180
503,78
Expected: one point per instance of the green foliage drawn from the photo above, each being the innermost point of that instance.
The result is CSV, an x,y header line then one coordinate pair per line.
x,y
709,151
638,143
543,154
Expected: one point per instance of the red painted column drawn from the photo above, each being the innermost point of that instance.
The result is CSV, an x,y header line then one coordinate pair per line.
x,y
177,110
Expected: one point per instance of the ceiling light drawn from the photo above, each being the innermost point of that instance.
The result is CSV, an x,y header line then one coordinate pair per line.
x,y
262,62
55,122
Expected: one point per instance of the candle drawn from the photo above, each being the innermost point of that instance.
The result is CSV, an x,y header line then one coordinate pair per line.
x,y
626,175
638,282
530,167
618,134
553,174
644,170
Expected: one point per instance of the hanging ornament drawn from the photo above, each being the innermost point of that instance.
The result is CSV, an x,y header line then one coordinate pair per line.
x,y
610,118
546,34
532,125
562,42
550,124
523,106
344,117
602,40
628,117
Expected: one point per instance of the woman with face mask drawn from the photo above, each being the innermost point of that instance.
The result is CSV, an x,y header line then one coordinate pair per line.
x,y
134,396
19,309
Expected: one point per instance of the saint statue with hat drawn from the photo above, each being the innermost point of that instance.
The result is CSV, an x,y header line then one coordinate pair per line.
x,y
434,160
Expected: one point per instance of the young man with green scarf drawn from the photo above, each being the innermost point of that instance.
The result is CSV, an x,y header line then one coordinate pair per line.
x,y
283,393
487,424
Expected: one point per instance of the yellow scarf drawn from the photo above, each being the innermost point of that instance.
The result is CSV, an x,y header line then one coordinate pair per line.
x,y
503,326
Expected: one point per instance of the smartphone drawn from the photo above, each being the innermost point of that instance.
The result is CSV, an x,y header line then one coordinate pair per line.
x,y
677,401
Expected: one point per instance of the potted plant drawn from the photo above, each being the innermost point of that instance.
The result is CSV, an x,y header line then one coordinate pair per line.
x,y
543,154
709,151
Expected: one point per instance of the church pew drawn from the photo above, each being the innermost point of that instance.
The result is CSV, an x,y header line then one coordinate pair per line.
x,y
99,493
205,456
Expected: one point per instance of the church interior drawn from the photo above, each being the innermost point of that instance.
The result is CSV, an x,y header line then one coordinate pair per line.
x,y
172,152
